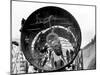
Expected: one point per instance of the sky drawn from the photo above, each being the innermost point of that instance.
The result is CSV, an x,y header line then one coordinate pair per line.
x,y
85,16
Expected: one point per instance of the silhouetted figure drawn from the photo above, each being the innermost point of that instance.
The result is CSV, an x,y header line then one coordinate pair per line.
x,y
71,54
67,56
